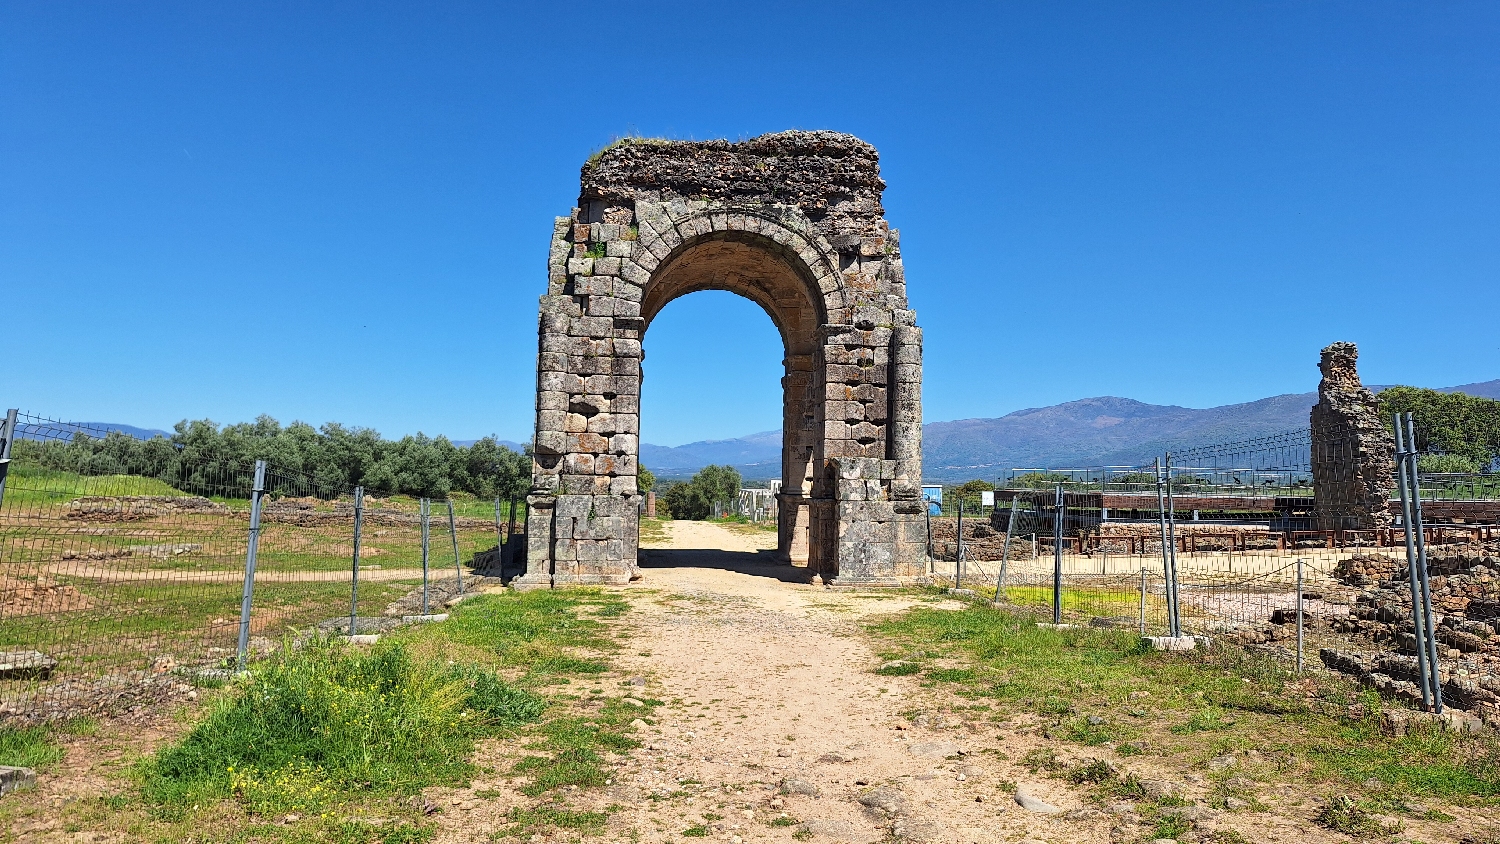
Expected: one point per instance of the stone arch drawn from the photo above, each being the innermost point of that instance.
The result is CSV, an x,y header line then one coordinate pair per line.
x,y
658,220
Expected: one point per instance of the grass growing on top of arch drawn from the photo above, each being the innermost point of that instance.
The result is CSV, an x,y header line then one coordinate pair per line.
x,y
1188,707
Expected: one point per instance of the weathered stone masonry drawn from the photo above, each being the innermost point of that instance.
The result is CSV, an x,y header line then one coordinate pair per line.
x,y
792,221
1353,453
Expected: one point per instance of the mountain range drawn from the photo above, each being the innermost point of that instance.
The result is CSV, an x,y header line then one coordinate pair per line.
x,y
1100,431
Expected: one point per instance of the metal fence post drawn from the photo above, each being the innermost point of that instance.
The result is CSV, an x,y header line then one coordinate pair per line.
x,y
1434,677
7,436
1010,528
958,551
359,518
1169,547
253,544
426,511
510,528
931,563
458,564
1057,532
1299,615
1418,629
1143,600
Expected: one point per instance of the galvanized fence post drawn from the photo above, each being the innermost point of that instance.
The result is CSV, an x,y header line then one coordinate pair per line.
x,y
359,518
1143,600
1434,676
958,551
1299,615
458,564
1010,527
251,547
1410,523
1174,606
931,563
7,436
426,511
1057,537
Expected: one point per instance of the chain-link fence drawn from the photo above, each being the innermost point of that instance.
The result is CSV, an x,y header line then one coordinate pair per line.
x,y
133,570
1325,542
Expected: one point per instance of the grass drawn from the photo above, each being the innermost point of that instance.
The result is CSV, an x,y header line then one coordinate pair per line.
x,y
29,747
328,743
322,722
1200,704
31,484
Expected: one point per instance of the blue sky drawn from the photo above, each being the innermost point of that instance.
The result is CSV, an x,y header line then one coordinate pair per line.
x,y
340,211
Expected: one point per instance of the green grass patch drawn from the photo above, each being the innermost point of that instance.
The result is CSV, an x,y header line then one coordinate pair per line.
x,y
320,723
524,821
29,747
1196,704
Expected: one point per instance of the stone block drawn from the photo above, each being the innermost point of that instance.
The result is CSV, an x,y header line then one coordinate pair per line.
x,y
627,423
620,248
551,362
551,440
575,423
627,348
551,420
591,365
624,444
876,412
578,464
592,443
866,432
608,232
601,423
580,266
626,404
551,400
908,355
627,367
622,485
592,327
14,778
562,306
591,285
836,429
607,266
627,290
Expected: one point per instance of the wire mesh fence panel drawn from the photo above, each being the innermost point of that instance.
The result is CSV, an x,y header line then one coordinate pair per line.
x,y
119,559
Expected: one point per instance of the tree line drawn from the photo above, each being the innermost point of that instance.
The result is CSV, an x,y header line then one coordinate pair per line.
x,y
202,457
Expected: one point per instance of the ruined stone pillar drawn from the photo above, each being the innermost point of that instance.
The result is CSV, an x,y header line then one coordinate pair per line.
x,y
1353,453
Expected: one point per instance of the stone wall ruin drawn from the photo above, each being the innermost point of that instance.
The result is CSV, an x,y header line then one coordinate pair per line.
x,y
792,221
1353,453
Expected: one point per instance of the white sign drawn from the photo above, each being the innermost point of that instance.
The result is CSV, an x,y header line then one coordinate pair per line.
x,y
987,498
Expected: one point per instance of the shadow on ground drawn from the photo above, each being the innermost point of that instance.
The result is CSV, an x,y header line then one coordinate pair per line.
x,y
754,563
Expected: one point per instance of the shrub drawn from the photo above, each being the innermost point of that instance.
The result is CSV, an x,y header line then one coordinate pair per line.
x,y
324,719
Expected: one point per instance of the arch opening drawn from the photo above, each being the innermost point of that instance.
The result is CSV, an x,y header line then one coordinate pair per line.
x,y
754,267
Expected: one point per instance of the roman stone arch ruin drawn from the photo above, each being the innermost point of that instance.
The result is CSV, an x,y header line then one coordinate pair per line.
x,y
793,222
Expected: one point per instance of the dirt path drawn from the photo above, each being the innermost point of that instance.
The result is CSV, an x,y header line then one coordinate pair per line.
x,y
775,727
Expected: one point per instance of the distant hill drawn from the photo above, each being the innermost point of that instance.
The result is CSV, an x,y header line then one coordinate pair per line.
x,y
1484,389
1100,431
756,456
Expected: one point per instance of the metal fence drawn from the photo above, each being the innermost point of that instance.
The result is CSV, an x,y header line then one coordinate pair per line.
x,y
1291,541
158,567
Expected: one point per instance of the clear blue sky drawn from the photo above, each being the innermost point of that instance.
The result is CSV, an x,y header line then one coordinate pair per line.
x,y
341,211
